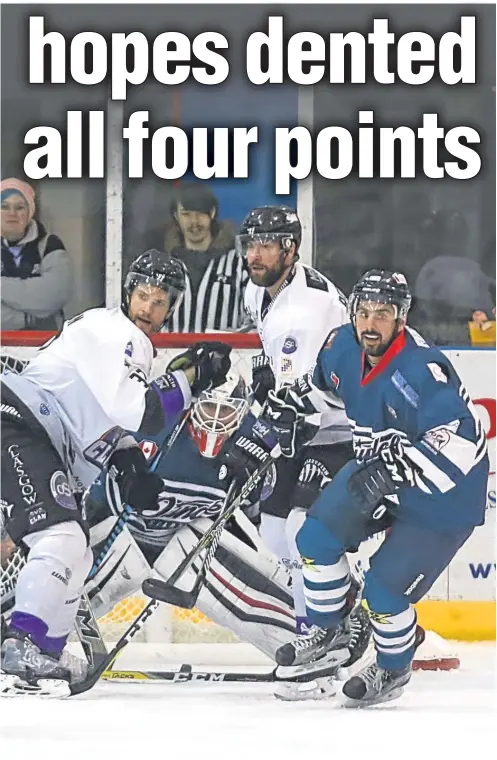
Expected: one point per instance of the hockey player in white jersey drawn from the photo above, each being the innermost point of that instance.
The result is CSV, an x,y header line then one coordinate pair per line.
x,y
62,418
294,308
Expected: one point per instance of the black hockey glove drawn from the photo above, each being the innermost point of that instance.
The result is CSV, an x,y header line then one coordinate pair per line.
x,y
211,361
137,486
239,458
293,429
262,377
383,475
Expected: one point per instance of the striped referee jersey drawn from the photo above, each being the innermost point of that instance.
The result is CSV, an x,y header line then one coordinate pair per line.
x,y
218,303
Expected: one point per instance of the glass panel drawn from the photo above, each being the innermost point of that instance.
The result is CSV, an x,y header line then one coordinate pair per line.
x,y
439,233
53,261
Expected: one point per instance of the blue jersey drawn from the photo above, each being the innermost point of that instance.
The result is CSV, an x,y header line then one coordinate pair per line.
x,y
413,392
192,488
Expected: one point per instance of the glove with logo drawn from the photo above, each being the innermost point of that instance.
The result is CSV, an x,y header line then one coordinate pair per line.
x,y
241,456
287,416
382,476
211,363
262,377
137,486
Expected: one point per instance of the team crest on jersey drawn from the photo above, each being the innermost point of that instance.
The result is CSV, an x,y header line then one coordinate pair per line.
x,y
290,345
437,438
149,449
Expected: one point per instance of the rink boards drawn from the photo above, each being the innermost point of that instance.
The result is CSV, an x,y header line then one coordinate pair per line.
x,y
461,604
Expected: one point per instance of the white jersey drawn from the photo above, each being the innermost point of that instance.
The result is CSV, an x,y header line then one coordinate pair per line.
x,y
91,378
293,327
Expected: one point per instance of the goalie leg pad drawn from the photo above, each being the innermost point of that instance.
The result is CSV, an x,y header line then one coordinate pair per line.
x,y
120,575
246,591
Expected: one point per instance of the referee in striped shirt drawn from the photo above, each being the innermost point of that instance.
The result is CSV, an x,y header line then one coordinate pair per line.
x,y
216,277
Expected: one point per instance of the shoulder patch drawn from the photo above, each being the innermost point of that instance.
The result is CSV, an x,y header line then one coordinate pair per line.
x,y
315,280
437,372
290,345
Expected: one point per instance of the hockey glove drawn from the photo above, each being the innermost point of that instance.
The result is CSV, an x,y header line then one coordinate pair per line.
x,y
211,362
239,458
383,475
137,486
262,377
291,426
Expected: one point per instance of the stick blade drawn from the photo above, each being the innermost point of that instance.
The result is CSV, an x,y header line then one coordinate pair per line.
x,y
157,589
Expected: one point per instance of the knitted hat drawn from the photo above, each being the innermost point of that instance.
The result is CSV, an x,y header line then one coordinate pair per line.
x,y
12,185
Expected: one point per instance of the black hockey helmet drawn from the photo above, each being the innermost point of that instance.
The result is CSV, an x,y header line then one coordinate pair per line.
x,y
381,286
267,224
160,270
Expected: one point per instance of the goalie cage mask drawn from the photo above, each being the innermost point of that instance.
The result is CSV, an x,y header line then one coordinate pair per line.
x,y
217,414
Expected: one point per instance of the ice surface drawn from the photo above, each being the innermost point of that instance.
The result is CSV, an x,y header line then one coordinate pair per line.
x,y
441,715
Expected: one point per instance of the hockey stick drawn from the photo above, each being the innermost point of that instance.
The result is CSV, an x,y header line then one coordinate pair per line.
x,y
86,623
106,664
166,591
186,674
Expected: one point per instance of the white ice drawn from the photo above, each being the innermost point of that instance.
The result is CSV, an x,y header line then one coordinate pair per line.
x,y
441,715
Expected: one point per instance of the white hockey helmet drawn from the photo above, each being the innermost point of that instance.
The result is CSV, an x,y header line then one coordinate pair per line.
x,y
218,413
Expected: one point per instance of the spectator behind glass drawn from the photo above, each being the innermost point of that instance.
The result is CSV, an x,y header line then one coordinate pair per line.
x,y
216,275
448,291
37,271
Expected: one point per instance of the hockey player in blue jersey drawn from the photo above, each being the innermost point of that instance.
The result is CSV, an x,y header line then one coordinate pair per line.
x,y
420,456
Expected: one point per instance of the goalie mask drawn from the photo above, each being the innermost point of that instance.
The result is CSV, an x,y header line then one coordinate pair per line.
x,y
217,414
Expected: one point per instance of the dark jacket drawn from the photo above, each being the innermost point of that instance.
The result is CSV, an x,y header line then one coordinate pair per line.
x,y
34,293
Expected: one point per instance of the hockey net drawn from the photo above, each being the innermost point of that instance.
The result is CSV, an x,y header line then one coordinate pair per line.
x,y
168,625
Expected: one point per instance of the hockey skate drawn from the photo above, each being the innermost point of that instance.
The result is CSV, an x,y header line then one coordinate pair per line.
x,y
316,653
325,687
374,685
27,671
77,667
